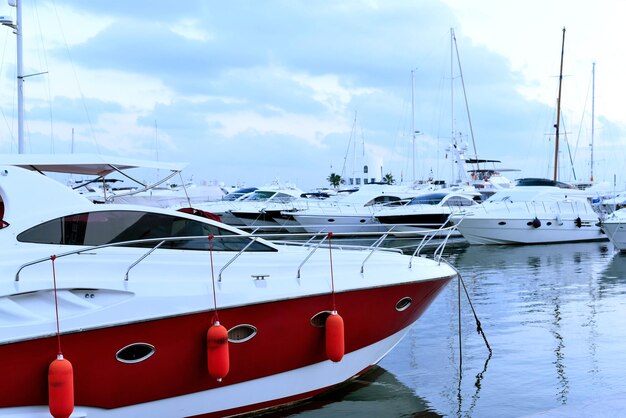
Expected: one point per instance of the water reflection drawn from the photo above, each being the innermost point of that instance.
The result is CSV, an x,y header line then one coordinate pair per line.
x,y
552,315
376,393
543,283
539,307
614,274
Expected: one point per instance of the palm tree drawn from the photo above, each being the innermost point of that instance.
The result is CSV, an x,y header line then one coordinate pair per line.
x,y
389,179
335,180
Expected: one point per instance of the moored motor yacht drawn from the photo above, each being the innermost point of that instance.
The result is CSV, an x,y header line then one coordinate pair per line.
x,y
535,211
353,213
428,212
126,298
259,209
248,208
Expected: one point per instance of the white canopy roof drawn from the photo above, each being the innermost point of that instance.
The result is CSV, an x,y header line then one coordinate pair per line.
x,y
88,164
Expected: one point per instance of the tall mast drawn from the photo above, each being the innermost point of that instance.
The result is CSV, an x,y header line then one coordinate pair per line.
x,y
558,114
593,96
413,118
17,30
452,130
20,78
452,83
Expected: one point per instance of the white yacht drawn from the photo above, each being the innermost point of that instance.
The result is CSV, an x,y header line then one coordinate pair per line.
x,y
112,310
535,211
354,213
428,211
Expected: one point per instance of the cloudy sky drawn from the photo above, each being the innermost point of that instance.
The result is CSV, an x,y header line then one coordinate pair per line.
x,y
249,91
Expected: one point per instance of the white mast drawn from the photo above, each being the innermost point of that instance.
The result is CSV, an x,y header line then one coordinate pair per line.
x,y
17,30
413,118
20,76
593,96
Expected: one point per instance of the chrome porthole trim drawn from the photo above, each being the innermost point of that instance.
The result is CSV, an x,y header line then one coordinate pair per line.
x,y
241,333
135,353
403,303
319,319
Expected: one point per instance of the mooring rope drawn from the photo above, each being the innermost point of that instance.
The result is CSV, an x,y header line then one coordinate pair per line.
x,y
479,327
216,318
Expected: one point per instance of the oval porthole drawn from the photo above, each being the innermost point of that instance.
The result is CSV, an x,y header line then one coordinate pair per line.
x,y
403,304
319,320
362,221
501,223
241,333
135,353
549,223
331,220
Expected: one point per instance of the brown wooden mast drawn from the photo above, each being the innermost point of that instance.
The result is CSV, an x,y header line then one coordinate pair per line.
x,y
558,114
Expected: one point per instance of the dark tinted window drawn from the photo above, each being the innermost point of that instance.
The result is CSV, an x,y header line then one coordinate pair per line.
x,y
427,199
98,228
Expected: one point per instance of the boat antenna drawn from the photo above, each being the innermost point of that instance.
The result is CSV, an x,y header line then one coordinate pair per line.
x,y
558,113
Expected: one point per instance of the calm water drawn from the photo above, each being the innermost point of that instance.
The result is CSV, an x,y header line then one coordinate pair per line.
x,y
554,316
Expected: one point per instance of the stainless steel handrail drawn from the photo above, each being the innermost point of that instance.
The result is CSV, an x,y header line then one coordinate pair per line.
x,y
376,246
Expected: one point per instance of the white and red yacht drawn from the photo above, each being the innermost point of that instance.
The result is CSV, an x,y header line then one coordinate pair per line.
x,y
129,297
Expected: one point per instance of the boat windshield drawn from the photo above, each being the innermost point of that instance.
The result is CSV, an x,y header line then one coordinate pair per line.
x,y
260,195
428,199
107,227
237,194
380,200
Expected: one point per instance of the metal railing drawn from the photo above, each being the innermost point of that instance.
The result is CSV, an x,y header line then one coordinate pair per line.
x,y
311,241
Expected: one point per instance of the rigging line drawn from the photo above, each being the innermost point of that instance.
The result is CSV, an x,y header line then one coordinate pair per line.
x,y
469,119
80,90
46,66
569,150
582,118
345,157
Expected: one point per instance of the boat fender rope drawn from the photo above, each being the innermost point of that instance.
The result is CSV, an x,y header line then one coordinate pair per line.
x,y
56,302
218,357
332,277
60,371
334,325
215,314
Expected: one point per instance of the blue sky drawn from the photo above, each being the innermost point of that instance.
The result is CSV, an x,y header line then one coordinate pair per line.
x,y
252,91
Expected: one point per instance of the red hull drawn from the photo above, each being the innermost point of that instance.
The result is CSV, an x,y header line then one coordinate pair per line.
x,y
286,340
